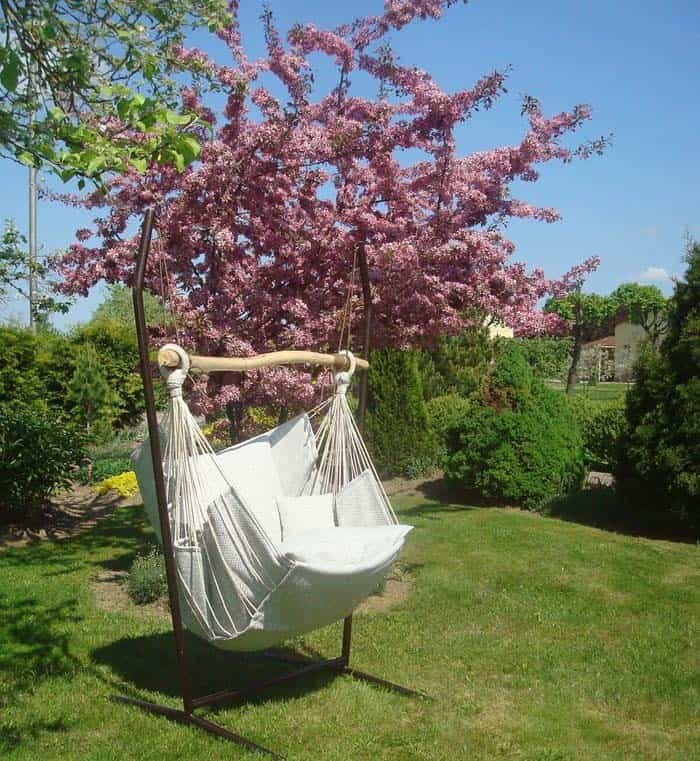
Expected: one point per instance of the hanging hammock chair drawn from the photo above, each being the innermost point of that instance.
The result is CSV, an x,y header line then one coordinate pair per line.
x,y
279,535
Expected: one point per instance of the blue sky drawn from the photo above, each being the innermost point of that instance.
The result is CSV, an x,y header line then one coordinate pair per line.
x,y
635,63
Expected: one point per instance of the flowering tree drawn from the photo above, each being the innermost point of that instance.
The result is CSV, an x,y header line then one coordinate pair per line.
x,y
257,242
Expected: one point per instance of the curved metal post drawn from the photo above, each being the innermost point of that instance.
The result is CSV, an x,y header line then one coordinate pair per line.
x,y
157,459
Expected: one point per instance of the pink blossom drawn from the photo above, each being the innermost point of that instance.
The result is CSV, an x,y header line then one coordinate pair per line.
x,y
259,237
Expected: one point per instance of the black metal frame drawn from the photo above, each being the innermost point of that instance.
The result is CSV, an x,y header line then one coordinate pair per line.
x,y
339,665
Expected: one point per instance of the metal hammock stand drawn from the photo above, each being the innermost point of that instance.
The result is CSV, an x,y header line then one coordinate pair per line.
x,y
190,702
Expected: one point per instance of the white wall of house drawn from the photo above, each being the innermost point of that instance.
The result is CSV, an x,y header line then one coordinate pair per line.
x,y
498,330
628,340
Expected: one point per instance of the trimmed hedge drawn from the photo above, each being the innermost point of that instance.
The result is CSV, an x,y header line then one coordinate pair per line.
x,y
522,445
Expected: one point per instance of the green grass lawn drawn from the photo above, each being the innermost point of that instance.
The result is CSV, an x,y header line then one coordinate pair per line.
x,y
539,640
604,392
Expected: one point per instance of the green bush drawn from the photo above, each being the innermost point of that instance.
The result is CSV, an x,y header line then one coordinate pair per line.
x,y
443,412
601,423
147,581
38,454
398,432
548,356
521,445
109,467
457,364
659,464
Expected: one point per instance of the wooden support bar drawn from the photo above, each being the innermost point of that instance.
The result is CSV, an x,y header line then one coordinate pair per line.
x,y
169,358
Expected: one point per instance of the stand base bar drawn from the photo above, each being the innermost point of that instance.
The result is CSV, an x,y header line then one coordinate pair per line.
x,y
176,714
338,665
334,664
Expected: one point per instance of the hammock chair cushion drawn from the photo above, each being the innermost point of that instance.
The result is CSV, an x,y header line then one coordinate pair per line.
x,y
301,514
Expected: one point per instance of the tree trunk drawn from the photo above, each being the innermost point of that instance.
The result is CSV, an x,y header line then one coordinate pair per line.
x,y
367,342
572,378
235,413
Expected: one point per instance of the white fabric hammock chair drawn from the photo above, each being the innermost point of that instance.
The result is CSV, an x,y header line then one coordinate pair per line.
x,y
279,535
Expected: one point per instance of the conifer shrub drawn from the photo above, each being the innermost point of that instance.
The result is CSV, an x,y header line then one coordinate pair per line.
x,y
659,450
443,412
398,432
548,356
94,402
521,444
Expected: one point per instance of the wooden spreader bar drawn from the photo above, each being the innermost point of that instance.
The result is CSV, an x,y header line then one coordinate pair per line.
x,y
169,358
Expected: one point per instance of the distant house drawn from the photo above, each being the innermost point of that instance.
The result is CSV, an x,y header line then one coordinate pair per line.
x,y
612,358
499,330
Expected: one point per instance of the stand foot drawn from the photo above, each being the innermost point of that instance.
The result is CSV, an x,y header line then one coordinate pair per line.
x,y
365,677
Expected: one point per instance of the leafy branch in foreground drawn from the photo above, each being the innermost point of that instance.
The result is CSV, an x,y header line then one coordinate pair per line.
x,y
88,88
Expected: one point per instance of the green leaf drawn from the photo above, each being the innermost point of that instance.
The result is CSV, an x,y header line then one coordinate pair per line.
x,y
95,164
123,108
172,117
140,164
190,148
9,76
26,158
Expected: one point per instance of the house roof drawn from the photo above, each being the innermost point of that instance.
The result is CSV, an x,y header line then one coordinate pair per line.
x,y
608,342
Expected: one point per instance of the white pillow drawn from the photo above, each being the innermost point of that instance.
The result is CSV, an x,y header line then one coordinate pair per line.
x,y
360,503
249,467
299,515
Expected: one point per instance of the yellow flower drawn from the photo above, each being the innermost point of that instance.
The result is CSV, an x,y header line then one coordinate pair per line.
x,y
124,484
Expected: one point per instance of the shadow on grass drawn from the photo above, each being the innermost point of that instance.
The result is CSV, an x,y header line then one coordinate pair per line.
x,y
34,646
148,663
600,507
112,543
442,498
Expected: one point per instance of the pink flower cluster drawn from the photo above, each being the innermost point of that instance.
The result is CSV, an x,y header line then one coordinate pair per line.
x,y
258,239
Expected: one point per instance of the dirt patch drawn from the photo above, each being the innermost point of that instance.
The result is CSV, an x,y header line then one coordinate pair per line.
x,y
409,486
109,591
71,512
393,592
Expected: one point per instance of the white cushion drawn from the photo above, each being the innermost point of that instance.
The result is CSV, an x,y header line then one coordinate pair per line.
x,y
299,515
294,452
250,469
360,503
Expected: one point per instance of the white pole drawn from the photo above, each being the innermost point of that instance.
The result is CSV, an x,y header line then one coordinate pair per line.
x,y
32,247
